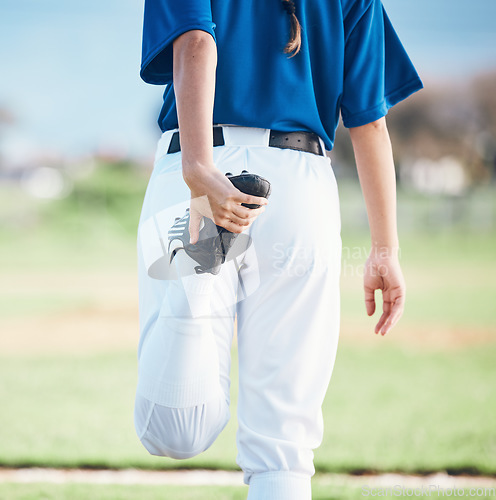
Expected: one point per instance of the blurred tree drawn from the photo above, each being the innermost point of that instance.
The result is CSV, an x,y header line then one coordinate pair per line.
x,y
484,96
6,118
484,90
456,119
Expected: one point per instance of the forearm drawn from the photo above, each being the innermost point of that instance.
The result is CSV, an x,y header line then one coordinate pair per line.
x,y
195,61
374,160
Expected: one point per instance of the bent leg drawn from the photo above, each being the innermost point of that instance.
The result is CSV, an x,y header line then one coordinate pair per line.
x,y
182,400
186,327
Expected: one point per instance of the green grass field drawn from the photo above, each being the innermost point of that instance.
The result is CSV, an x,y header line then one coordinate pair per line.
x,y
420,400
388,409
322,490
42,491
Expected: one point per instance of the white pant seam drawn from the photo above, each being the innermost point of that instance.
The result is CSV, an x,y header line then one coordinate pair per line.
x,y
147,420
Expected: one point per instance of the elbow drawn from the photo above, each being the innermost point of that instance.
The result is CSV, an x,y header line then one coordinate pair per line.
x,y
369,131
192,43
377,126
193,51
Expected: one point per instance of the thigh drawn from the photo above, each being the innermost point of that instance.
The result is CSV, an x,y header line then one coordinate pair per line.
x,y
288,328
166,193
167,196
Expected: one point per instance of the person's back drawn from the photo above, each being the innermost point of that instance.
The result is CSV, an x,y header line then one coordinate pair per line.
x,y
341,67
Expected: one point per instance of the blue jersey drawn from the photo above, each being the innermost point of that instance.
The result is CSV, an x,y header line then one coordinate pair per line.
x,y
351,62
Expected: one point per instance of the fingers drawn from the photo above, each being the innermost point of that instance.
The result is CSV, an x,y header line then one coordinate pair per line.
x,y
229,220
228,213
386,308
194,225
238,218
250,200
395,312
244,213
369,301
384,274
236,224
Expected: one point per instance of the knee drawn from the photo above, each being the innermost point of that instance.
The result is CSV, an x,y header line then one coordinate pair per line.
x,y
179,446
181,433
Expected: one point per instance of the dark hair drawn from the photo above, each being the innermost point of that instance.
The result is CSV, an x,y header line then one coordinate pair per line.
x,y
294,44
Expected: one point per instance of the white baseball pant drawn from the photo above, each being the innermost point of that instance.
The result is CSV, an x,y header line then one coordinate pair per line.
x,y
284,291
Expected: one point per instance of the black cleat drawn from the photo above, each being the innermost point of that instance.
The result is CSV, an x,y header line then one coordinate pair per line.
x,y
214,242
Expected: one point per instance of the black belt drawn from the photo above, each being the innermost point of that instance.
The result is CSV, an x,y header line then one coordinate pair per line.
x,y
307,142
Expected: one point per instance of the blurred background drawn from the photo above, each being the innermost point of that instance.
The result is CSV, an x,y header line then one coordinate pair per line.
x,y
77,138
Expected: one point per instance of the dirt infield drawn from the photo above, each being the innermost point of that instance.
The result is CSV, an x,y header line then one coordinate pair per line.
x,y
98,312
85,312
98,328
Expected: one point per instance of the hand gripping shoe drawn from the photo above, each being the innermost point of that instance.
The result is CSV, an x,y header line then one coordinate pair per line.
x,y
214,241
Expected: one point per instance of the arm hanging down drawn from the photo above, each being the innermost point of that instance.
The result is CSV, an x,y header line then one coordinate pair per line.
x,y
374,160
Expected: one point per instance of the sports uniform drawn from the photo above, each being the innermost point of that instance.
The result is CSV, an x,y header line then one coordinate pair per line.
x,y
283,282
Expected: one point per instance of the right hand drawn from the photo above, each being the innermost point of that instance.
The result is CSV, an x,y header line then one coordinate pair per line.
x,y
214,196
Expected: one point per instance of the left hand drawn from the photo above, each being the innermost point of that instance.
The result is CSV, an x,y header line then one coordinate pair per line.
x,y
383,272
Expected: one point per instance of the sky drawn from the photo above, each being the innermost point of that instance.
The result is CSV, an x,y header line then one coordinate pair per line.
x,y
69,71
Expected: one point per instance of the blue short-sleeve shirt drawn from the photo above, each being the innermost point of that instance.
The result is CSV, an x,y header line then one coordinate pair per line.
x,y
351,62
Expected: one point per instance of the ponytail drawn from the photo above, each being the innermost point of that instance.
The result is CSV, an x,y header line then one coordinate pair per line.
x,y
294,44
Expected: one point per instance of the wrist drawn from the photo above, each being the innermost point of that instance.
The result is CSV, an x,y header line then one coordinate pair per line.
x,y
379,250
